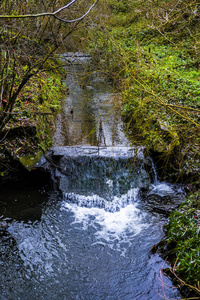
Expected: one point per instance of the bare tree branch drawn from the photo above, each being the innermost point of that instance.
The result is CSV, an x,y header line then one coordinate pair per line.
x,y
53,14
78,19
28,46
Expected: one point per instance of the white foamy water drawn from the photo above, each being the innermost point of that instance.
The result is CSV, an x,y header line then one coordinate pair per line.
x,y
161,189
115,222
115,203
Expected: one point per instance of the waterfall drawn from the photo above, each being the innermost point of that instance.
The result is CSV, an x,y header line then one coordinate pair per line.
x,y
153,171
163,188
95,233
92,176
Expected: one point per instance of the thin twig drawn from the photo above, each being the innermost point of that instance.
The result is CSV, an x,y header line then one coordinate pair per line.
x,y
151,92
2,89
4,136
20,113
197,290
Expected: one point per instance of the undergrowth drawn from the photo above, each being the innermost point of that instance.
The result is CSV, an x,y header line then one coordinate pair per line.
x,y
35,106
183,232
152,54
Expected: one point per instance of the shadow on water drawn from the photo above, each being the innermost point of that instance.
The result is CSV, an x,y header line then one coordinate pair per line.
x,y
23,199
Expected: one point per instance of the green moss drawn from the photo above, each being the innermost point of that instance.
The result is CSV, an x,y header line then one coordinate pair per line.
x,y
29,161
40,101
35,107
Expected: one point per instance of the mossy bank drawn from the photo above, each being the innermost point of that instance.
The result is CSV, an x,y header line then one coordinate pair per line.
x,y
151,51
28,134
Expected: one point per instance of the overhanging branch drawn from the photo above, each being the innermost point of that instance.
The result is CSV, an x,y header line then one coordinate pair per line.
x,y
52,14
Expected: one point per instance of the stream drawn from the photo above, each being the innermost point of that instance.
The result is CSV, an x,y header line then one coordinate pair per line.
x,y
89,234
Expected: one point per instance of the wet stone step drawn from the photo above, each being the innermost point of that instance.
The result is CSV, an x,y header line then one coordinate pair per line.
x,y
114,152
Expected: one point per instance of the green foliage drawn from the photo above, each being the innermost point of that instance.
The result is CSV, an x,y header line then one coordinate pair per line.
x,y
29,44
35,105
40,100
30,69
119,6
151,51
183,230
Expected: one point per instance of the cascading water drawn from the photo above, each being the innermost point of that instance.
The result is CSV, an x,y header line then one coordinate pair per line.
x,y
94,236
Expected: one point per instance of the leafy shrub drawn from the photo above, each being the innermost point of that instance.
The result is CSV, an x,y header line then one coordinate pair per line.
x,y
183,231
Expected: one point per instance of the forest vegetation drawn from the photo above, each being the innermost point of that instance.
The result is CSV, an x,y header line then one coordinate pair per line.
x,y
33,35
150,49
